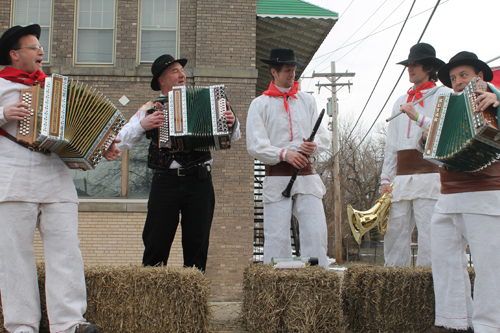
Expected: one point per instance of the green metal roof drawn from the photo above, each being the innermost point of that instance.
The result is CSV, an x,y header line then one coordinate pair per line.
x,y
292,8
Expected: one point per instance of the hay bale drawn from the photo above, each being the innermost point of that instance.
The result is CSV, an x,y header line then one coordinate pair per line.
x,y
388,299
304,300
143,299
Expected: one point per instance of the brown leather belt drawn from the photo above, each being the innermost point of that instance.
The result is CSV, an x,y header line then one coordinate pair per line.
x,y
286,169
411,162
487,179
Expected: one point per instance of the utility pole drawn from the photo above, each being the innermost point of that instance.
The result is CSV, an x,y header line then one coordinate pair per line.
x,y
337,223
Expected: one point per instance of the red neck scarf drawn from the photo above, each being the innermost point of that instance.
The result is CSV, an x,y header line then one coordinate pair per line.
x,y
19,76
417,93
275,92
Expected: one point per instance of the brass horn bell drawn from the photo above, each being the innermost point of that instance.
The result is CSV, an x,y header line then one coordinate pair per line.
x,y
363,221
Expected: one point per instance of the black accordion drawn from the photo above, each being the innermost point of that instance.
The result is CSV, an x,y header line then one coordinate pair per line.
x,y
459,136
71,119
194,119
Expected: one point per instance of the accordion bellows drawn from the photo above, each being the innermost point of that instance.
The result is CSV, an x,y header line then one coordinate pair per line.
x,y
195,119
70,119
459,136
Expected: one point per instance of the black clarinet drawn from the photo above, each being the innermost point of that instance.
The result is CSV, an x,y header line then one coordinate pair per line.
x,y
286,192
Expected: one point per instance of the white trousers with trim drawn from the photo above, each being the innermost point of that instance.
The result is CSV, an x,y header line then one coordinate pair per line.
x,y
65,281
308,209
454,305
403,217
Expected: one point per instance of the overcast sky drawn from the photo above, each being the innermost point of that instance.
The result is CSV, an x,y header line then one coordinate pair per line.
x,y
457,25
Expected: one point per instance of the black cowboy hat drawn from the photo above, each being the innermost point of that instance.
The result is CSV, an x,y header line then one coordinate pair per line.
x,y
282,57
464,58
11,36
161,63
420,52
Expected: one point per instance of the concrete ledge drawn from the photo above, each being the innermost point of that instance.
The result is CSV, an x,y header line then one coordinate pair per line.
x,y
113,205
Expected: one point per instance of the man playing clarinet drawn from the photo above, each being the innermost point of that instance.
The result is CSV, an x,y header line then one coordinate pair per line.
x,y
415,181
467,212
278,125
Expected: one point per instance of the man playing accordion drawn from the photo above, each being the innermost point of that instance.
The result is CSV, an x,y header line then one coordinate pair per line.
x,y
182,181
467,212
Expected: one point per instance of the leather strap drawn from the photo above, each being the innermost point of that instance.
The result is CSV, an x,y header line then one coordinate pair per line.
x,y
456,181
286,169
411,162
25,145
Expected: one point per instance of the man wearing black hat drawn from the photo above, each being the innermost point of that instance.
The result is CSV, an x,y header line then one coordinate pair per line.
x,y
36,191
467,212
278,124
182,182
415,181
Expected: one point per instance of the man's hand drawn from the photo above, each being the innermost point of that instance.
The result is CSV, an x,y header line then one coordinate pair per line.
x,y
230,118
385,188
113,152
153,120
486,99
409,110
307,147
296,159
16,111
425,133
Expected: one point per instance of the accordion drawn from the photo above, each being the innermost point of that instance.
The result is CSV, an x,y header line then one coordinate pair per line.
x,y
459,136
71,119
194,119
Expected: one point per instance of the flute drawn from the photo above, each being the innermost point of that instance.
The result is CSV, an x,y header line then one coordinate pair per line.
x,y
429,93
286,192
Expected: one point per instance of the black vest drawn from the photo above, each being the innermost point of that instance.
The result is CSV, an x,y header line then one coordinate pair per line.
x,y
162,158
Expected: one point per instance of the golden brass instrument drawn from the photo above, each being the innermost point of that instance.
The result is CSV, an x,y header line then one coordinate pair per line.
x,y
363,221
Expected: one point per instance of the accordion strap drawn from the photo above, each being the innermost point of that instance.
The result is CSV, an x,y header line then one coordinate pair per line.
x,y
25,145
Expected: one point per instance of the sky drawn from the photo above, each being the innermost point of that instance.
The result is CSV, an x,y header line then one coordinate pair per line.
x,y
457,25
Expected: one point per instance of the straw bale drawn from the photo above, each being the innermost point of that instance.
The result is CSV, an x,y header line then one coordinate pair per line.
x,y
304,300
388,299
143,299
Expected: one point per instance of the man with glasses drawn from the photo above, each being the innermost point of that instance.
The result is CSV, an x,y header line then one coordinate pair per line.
x,y
36,191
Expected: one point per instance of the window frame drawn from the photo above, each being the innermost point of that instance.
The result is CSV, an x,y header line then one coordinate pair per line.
x,y
139,33
47,50
75,37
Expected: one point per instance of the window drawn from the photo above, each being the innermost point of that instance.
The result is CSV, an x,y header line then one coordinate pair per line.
x,y
28,12
158,33
95,31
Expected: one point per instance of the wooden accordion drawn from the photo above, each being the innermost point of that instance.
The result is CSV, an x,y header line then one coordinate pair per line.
x,y
459,136
71,119
195,119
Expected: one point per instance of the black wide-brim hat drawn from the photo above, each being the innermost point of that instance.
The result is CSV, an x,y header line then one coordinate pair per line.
x,y
282,57
159,65
420,52
12,35
464,58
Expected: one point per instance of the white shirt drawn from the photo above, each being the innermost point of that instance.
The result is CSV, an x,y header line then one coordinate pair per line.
x,y
402,134
271,131
132,133
29,176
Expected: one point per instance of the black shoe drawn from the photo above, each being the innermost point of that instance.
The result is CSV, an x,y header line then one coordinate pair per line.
x,y
87,328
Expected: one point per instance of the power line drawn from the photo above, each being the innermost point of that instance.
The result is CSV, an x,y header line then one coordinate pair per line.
x,y
382,72
373,124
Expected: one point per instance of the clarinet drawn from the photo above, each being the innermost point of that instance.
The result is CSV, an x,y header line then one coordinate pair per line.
x,y
286,192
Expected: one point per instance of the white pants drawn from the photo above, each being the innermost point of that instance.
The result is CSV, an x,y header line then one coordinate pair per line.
x,y
402,219
308,209
454,305
65,280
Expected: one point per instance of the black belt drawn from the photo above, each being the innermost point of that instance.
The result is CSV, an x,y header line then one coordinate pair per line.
x,y
182,171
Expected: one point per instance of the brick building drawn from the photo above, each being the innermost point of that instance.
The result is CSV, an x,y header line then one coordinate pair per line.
x,y
110,45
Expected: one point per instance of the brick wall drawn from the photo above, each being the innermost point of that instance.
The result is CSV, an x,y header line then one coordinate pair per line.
x,y
218,39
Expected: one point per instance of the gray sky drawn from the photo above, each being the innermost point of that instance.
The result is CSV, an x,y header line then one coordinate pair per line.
x,y
457,25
